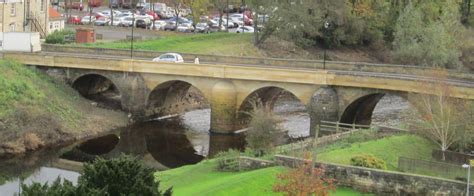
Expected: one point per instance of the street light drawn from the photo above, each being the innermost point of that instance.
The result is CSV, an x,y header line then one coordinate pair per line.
x,y
468,167
326,27
131,42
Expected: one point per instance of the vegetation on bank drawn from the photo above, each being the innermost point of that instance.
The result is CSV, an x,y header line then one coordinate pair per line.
x,y
214,43
36,111
388,149
203,179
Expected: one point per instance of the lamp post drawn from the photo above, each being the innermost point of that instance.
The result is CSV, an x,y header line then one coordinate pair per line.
x,y
326,27
131,41
468,167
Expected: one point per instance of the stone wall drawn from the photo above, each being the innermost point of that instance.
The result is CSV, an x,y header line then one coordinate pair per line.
x,y
249,163
383,182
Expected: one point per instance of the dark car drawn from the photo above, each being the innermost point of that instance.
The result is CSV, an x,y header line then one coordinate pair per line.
x,y
140,23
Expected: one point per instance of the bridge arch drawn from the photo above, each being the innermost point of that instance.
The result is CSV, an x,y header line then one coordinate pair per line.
x,y
362,110
174,97
281,102
99,88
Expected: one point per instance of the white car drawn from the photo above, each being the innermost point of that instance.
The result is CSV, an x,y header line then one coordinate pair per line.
x,y
116,22
245,29
108,13
169,57
88,20
160,24
185,27
127,21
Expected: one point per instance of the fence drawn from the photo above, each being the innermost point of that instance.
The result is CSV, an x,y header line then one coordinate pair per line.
x,y
451,157
328,127
432,168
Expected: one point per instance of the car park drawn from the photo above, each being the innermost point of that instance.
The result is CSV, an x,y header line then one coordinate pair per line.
x,y
116,21
169,57
202,28
74,20
141,23
104,21
88,20
185,28
170,26
127,21
245,29
160,24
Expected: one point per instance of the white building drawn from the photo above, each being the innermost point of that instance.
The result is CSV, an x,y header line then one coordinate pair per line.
x,y
56,21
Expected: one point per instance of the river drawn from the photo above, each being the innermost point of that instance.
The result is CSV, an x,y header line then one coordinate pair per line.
x,y
165,143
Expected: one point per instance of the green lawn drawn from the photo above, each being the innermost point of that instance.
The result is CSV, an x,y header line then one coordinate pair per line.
x,y
202,179
215,43
388,149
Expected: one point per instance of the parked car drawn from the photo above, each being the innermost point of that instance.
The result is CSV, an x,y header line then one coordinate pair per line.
x,y
116,22
95,3
153,14
245,29
202,28
108,13
170,26
74,20
127,21
104,21
88,20
169,57
185,28
141,23
160,24
99,15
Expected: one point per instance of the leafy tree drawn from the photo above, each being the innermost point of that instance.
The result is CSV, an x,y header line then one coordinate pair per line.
x,y
122,176
198,8
421,40
304,180
220,5
264,15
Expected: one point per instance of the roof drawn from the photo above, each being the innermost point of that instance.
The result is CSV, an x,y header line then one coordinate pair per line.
x,y
53,14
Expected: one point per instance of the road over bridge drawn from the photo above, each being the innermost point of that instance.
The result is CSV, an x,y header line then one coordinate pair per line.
x,y
346,92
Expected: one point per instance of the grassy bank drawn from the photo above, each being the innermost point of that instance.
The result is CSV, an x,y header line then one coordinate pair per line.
x,y
36,111
214,43
389,149
202,179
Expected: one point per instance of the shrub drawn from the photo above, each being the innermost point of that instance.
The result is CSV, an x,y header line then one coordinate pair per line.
x,y
368,161
264,131
228,160
58,37
122,176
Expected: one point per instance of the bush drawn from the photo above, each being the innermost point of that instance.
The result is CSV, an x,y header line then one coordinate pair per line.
x,y
264,131
122,176
228,160
368,161
58,37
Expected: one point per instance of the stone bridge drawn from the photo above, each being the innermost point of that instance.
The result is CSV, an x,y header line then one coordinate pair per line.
x,y
343,92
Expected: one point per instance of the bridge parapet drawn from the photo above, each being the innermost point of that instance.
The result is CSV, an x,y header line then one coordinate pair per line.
x,y
256,61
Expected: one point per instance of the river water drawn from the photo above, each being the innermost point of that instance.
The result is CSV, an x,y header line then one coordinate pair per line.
x,y
166,143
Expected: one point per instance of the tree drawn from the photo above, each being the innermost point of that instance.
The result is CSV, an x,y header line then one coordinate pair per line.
x,y
466,11
304,180
421,40
444,119
220,5
264,15
178,5
264,131
122,176
198,8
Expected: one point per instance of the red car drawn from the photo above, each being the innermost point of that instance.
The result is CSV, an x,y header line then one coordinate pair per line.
x,y
152,13
74,20
95,3
99,15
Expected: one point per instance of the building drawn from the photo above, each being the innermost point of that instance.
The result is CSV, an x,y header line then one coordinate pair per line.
x,y
56,21
24,16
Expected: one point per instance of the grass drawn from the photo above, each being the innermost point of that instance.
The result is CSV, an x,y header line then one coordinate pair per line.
x,y
26,90
202,179
387,149
215,43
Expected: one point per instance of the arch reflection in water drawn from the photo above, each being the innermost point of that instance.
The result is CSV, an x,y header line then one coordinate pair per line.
x,y
166,143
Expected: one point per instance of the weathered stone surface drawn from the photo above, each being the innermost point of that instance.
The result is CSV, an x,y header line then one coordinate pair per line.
x,y
383,182
249,163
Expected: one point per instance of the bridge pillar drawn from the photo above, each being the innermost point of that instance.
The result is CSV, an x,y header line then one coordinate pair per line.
x,y
223,107
323,106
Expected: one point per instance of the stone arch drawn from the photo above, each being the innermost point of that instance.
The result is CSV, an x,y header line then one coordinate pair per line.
x,y
174,97
99,88
361,110
267,95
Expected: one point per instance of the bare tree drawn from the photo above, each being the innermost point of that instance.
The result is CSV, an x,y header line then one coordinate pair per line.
x,y
444,120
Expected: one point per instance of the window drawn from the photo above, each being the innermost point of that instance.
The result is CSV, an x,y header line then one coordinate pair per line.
x,y
13,9
42,5
12,27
